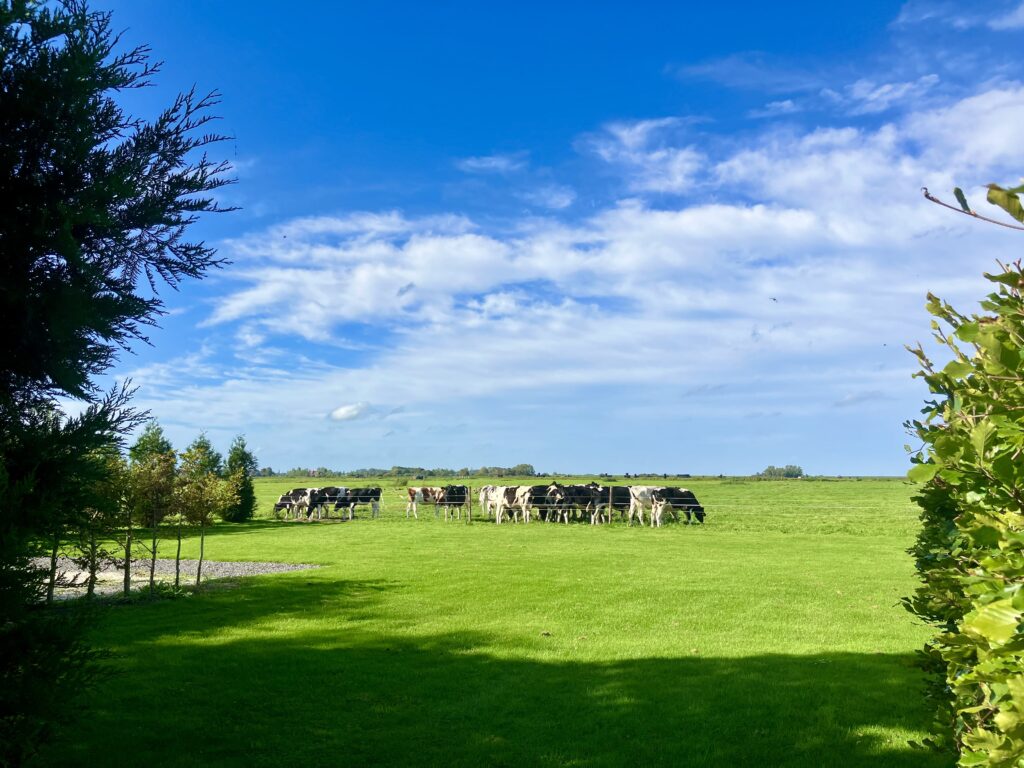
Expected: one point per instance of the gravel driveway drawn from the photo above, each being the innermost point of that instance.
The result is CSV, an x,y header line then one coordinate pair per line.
x,y
111,580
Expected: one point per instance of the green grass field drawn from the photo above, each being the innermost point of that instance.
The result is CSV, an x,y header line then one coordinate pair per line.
x,y
772,636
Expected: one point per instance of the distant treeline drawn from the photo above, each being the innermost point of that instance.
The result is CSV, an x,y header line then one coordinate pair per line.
x,y
519,470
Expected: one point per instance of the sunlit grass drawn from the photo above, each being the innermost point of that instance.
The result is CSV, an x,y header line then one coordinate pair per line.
x,y
770,636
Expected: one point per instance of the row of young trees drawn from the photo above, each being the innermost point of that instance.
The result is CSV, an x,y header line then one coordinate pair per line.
x,y
153,486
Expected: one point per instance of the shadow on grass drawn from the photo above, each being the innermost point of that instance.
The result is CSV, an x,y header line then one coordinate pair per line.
x,y
294,671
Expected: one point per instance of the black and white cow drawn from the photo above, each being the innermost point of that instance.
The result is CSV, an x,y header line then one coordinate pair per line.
x,y
505,498
454,497
581,498
611,497
286,502
355,496
671,499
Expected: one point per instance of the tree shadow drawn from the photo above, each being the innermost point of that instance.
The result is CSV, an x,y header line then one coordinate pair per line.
x,y
298,672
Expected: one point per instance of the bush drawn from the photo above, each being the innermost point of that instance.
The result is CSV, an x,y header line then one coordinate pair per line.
x,y
970,551
775,473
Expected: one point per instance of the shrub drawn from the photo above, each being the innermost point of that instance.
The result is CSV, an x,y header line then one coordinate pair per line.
x,y
970,551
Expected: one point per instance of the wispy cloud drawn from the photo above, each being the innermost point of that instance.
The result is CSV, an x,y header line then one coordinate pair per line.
x,y
777,109
996,16
755,71
498,163
1009,21
555,197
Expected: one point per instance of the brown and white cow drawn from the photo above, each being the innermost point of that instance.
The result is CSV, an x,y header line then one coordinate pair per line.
x,y
420,494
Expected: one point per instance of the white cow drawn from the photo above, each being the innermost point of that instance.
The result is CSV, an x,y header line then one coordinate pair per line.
x,y
639,498
488,501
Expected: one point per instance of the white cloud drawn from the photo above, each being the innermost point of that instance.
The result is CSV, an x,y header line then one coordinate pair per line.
x,y
1009,21
350,412
802,254
498,163
643,149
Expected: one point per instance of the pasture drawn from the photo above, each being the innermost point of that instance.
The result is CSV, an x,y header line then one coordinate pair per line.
x,y
771,636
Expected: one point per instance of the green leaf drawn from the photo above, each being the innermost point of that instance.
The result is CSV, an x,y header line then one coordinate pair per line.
x,y
1006,278
922,473
959,194
958,368
967,332
1007,200
980,434
995,622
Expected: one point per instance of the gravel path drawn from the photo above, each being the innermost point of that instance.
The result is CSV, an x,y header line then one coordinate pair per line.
x,y
111,580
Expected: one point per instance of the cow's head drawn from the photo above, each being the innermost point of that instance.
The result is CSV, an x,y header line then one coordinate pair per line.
x,y
555,495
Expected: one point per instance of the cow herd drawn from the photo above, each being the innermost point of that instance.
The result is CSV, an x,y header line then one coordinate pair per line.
x,y
303,503
553,502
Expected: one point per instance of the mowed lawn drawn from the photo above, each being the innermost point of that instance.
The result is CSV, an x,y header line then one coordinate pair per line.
x,y
771,636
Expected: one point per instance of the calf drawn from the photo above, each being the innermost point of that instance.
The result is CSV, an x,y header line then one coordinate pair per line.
x,y
672,499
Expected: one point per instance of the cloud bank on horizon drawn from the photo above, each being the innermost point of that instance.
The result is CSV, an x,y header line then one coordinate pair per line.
x,y
683,294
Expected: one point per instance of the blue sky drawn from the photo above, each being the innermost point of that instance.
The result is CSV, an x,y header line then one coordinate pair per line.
x,y
593,237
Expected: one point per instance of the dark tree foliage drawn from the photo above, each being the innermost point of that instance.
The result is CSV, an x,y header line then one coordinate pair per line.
x,y
96,204
242,466
152,441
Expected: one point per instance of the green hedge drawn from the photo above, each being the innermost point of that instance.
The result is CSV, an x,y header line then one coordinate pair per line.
x,y
970,551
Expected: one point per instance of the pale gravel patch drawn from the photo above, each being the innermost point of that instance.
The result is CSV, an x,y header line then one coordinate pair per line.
x,y
110,580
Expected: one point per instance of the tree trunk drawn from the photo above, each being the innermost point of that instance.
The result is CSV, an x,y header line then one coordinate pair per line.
x,y
177,556
202,545
128,556
94,566
53,568
152,560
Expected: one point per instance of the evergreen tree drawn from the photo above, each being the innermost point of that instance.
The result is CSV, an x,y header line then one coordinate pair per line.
x,y
96,208
151,441
241,465
210,458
